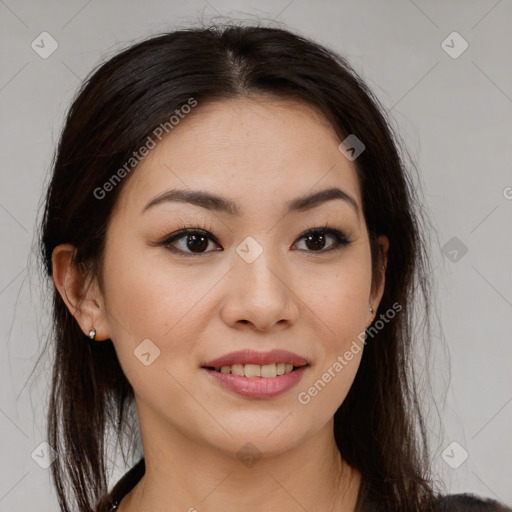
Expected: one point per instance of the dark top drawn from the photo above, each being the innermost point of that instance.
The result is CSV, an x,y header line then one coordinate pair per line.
x,y
449,503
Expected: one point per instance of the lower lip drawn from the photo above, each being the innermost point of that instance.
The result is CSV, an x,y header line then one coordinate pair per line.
x,y
258,387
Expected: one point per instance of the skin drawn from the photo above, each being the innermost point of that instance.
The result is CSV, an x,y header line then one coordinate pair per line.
x,y
259,152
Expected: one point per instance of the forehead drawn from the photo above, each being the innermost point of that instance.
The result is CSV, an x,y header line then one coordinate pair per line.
x,y
246,148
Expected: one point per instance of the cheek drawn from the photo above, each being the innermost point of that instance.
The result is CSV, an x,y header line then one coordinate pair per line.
x,y
333,374
152,298
162,302
340,301
151,313
338,295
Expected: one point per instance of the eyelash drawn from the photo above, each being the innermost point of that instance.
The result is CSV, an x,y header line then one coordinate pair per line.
x,y
341,239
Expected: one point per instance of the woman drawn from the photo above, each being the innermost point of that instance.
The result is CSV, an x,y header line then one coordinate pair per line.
x,y
236,250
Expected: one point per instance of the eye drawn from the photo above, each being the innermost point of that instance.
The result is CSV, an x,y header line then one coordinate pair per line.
x,y
191,241
316,239
196,241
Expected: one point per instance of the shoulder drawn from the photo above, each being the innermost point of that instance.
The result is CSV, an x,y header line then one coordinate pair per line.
x,y
468,503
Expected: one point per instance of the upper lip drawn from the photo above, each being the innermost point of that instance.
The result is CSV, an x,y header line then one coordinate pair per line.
x,y
255,357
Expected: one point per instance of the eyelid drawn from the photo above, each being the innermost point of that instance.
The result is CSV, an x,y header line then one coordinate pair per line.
x,y
341,237
183,232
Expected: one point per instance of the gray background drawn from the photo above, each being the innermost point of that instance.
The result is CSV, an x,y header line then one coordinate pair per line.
x,y
454,115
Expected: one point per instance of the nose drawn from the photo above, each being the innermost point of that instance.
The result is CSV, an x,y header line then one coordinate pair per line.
x,y
260,295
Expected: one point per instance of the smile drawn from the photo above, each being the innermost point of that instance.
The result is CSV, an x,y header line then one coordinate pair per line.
x,y
266,371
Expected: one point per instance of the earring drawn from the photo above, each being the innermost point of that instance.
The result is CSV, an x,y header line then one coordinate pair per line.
x,y
371,309
92,333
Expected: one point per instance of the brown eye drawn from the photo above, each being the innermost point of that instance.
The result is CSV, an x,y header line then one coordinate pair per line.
x,y
316,239
191,241
197,243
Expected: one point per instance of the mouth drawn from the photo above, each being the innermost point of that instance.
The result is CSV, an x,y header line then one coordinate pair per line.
x,y
252,363
257,375
266,371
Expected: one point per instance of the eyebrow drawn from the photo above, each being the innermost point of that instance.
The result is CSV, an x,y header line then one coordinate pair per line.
x,y
224,205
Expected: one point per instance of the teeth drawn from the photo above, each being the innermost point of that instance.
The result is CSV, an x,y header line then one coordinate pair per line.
x,y
238,369
269,370
255,370
252,370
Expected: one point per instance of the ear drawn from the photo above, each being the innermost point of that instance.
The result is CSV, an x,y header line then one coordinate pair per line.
x,y
80,292
380,278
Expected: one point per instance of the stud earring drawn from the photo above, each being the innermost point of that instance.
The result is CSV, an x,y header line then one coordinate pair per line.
x,y
92,333
371,309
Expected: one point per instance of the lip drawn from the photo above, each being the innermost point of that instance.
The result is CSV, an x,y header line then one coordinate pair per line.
x,y
255,357
258,387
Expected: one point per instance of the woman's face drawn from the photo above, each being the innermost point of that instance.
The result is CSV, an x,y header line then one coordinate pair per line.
x,y
252,279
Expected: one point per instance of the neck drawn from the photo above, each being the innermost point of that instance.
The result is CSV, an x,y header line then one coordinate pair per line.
x,y
191,476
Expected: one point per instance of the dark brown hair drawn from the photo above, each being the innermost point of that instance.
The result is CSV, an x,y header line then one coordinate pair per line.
x,y
469,503
378,428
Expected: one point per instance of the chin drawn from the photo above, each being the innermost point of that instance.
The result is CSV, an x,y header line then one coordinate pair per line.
x,y
257,438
